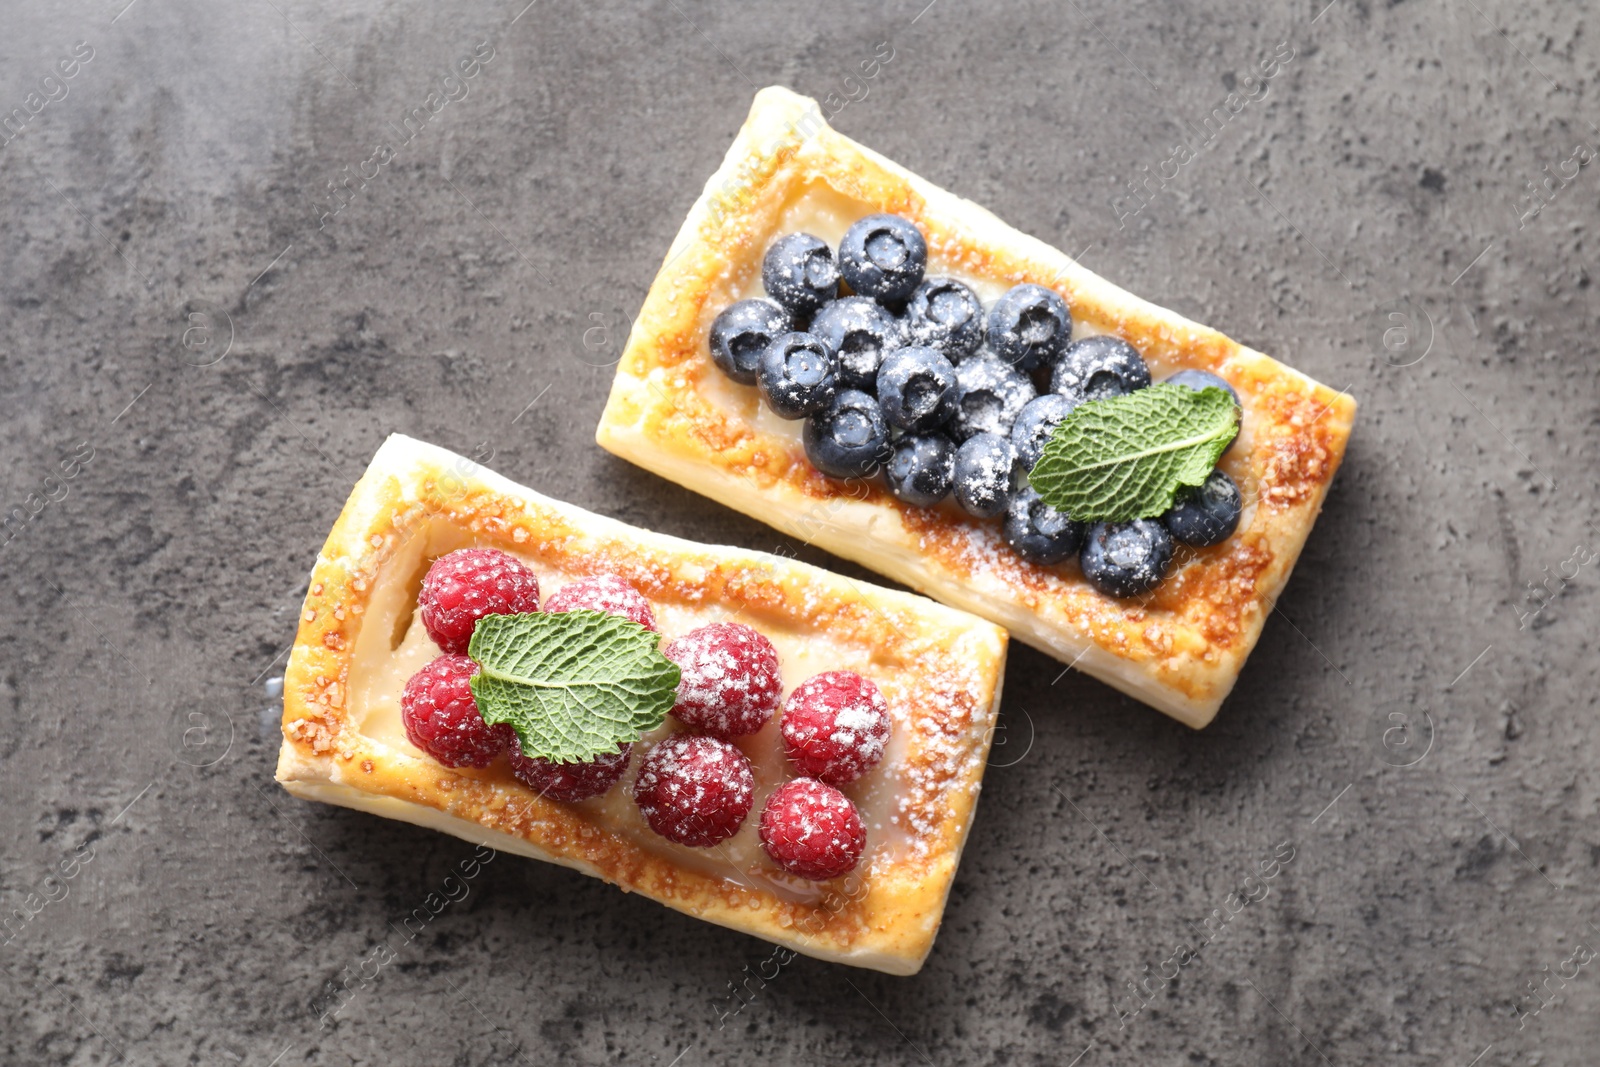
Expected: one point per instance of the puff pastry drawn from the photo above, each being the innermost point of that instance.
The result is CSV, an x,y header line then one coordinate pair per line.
x,y
358,642
671,412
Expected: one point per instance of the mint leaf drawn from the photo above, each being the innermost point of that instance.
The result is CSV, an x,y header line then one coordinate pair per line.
x,y
574,684
1126,457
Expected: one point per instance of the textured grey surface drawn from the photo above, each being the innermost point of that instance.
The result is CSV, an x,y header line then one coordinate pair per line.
x,y
149,607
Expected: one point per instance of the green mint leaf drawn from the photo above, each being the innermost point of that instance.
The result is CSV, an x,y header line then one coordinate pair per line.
x,y
574,684
1126,457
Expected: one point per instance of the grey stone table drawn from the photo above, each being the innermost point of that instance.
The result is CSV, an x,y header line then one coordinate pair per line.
x,y
203,341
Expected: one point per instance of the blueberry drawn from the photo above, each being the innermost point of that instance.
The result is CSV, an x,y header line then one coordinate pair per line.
x,y
742,332
917,389
983,474
993,394
1030,326
1038,532
1207,514
859,331
883,256
1124,559
796,375
1198,380
1095,368
921,469
1036,422
848,438
799,273
945,314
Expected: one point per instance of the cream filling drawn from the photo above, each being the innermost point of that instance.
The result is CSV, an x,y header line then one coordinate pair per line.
x,y
382,661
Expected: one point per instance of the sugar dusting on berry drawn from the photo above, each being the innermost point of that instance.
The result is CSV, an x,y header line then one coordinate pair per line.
x,y
991,464
729,683
812,830
853,729
610,593
695,791
835,726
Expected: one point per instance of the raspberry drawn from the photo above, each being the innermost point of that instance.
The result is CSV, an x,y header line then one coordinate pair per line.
x,y
694,790
568,782
442,719
604,592
730,681
835,726
812,830
464,586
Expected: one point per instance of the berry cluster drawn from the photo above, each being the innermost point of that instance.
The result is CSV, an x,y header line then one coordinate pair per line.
x,y
907,375
694,788
437,707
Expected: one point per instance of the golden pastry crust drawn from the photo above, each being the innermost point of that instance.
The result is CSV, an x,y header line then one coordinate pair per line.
x,y
940,668
671,412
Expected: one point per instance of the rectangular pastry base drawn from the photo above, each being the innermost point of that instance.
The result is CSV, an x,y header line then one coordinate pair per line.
x,y
358,642
670,411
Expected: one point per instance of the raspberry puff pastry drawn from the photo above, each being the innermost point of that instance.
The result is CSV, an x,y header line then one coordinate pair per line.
x,y
1178,649
361,638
